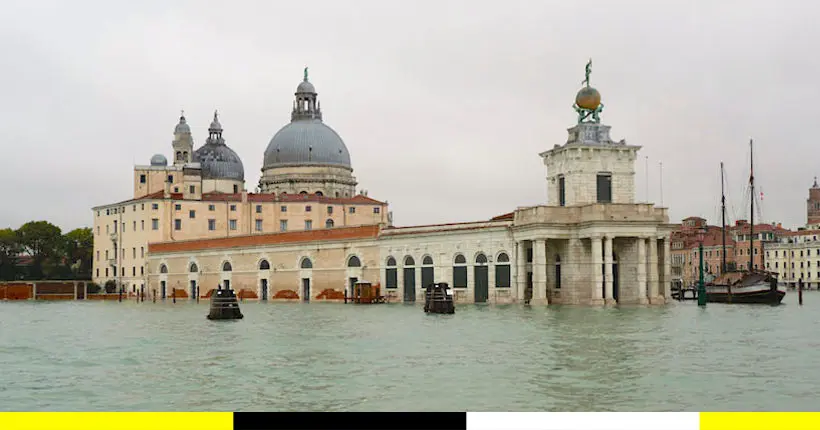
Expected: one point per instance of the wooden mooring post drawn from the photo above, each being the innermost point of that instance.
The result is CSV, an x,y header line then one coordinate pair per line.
x,y
174,295
800,291
155,295
119,298
197,293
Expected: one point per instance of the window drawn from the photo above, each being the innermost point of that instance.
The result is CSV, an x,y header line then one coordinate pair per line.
x,y
604,188
123,227
211,224
142,179
170,179
108,211
177,207
177,224
502,271
115,226
133,208
258,225
106,271
154,206
562,191
264,265
329,223
142,270
142,207
259,209
142,252
308,224
392,273
211,208
529,255
98,255
98,273
308,208
354,261
232,224
98,230
142,225
133,270
192,214
352,210
135,226
329,210
163,268
236,189
283,208
376,210
154,224
226,266
283,225
193,268
192,189
233,208
134,252
306,264
460,272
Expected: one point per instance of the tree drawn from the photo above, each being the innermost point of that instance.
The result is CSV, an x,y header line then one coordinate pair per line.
x,y
78,247
42,241
9,249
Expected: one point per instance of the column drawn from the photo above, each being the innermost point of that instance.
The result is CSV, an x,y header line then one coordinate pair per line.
x,y
521,267
653,269
491,280
642,270
609,298
667,269
597,275
539,272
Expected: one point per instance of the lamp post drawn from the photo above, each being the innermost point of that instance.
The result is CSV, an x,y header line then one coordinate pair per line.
x,y
701,286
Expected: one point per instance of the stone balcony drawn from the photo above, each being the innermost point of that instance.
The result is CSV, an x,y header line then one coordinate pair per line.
x,y
592,213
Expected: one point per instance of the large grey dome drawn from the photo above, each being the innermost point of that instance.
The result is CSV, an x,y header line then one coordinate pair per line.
x,y
306,141
216,160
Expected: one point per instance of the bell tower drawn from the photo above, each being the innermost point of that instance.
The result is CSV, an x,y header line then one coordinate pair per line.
x,y
183,143
813,206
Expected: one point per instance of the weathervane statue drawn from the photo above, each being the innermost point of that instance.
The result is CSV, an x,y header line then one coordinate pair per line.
x,y
588,100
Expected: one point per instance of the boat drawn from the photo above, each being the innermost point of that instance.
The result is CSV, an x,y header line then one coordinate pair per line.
x,y
743,286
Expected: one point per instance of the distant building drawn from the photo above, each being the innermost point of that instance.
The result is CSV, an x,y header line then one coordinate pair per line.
x,y
796,255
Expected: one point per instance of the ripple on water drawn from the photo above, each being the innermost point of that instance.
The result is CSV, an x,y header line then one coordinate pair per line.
x,y
294,356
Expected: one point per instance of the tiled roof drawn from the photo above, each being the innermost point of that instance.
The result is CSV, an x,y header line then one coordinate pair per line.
x,y
340,233
505,217
289,198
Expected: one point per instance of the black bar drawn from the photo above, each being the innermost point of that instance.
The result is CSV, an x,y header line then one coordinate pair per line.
x,y
350,421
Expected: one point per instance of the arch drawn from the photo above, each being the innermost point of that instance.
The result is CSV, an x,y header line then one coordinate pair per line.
x,y
163,268
459,259
354,261
185,155
319,193
409,261
226,266
502,258
264,265
427,261
391,262
303,192
306,263
329,223
193,268
480,258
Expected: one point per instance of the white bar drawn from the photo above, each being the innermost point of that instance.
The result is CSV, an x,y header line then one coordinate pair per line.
x,y
583,421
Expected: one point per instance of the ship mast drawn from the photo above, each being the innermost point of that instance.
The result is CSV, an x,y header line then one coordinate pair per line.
x,y
752,209
722,220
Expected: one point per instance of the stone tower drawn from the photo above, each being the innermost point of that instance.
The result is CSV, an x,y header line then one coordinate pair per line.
x,y
183,143
590,167
813,206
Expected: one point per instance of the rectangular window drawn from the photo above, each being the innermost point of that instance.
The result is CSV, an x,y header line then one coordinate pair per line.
x,y
106,271
177,224
232,224
177,207
98,229
211,224
259,225
392,278
154,206
134,252
133,270
192,189
142,270
211,208
236,189
330,209
122,271
352,210
604,188
106,254
142,251
233,208
308,224
460,277
192,214
308,208
562,191
283,208
142,179
259,209
98,255
170,179
502,276
98,273
142,225
376,210
108,211
154,224
115,226
142,207
283,225
134,208
529,255
135,226
123,227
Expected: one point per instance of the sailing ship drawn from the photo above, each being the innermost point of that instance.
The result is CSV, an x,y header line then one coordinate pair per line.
x,y
743,286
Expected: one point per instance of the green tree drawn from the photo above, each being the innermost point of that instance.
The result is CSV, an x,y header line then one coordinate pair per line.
x,y
43,242
9,249
78,247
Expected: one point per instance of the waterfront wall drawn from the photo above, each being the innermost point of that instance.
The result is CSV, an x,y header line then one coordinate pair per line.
x,y
50,290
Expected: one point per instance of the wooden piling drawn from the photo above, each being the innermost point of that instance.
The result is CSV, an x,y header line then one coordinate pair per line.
x,y
174,295
155,295
197,293
800,291
119,297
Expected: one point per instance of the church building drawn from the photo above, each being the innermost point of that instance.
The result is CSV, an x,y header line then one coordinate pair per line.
x,y
307,235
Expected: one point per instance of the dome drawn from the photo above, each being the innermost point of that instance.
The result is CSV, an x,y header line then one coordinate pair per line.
x,y
216,160
182,127
306,141
306,87
588,98
159,160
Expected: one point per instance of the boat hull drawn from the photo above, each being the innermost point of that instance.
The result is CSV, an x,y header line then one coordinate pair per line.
x,y
760,293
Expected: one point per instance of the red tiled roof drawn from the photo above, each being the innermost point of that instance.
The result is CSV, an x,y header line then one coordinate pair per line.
x,y
801,233
340,233
505,217
286,198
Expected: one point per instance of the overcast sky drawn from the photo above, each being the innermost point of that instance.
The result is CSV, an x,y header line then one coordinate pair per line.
x,y
444,105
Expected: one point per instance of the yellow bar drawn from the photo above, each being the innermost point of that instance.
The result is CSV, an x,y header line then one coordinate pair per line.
x,y
116,420
759,420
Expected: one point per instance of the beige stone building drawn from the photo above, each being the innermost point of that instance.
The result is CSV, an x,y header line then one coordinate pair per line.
x,y
307,235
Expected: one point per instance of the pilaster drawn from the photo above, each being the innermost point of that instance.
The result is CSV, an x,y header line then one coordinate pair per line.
x,y
653,271
521,270
642,299
608,281
539,269
597,274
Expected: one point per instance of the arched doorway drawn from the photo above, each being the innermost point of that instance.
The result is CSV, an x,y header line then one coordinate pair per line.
x,y
354,265
409,279
481,276
427,272
264,266
306,265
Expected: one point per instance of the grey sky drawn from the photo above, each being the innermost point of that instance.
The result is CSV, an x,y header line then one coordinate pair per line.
x,y
444,105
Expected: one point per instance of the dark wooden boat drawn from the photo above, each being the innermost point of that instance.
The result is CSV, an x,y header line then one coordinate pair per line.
x,y
438,299
743,286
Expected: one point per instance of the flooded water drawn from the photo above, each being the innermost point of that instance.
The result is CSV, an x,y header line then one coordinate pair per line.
x,y
334,357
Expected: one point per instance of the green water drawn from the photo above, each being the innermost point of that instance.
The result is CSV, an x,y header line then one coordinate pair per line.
x,y
335,357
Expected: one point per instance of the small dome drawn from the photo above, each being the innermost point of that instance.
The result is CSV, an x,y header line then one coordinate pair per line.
x,y
588,98
182,127
217,161
307,142
159,160
306,87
